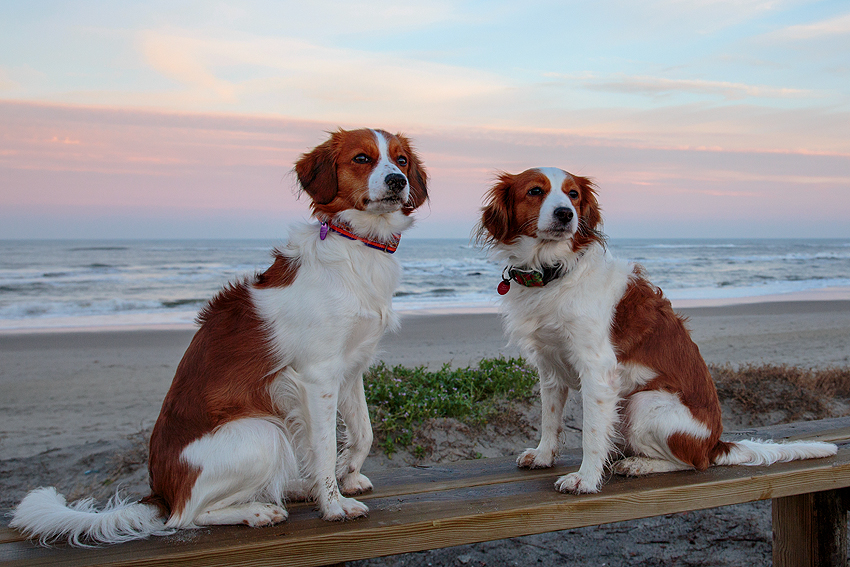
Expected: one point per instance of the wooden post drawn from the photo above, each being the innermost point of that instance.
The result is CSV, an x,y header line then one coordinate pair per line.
x,y
810,530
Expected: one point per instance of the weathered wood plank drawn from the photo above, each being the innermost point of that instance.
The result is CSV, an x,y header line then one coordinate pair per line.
x,y
399,524
7,535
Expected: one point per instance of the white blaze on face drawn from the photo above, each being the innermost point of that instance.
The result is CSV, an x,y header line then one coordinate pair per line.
x,y
547,222
385,166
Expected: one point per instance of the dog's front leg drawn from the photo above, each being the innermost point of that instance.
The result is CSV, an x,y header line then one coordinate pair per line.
x,y
322,408
358,432
553,397
599,401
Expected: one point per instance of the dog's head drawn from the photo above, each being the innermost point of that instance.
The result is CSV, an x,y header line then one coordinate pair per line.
x,y
368,170
546,204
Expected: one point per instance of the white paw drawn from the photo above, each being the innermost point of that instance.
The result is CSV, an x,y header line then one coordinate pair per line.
x,y
641,466
261,515
353,484
631,466
535,459
344,509
575,483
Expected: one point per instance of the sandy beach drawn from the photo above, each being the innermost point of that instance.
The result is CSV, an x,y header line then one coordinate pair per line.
x,y
71,399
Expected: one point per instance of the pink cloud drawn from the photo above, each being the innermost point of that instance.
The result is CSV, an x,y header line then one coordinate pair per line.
x,y
192,174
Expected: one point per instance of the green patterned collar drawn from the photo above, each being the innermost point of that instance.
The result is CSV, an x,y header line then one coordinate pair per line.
x,y
532,278
529,278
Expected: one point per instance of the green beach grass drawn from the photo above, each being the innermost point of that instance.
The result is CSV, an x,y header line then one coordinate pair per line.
x,y
400,398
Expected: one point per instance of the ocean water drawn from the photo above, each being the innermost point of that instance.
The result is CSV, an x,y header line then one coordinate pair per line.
x,y
82,283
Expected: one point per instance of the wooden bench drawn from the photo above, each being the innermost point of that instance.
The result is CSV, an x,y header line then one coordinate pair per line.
x,y
419,508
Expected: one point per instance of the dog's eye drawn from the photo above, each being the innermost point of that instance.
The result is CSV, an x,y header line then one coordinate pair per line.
x,y
401,160
534,191
573,194
362,158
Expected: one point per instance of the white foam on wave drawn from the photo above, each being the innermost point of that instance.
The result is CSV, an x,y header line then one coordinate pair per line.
x,y
163,320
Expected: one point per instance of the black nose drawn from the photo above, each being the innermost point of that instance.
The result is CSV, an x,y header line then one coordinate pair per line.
x,y
564,214
395,182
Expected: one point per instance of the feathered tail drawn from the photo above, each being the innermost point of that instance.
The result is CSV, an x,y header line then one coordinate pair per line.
x,y
44,514
755,452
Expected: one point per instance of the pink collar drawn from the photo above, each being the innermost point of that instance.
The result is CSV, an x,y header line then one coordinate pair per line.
x,y
388,246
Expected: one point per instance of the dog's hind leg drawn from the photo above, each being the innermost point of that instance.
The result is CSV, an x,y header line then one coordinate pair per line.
x,y
661,429
244,467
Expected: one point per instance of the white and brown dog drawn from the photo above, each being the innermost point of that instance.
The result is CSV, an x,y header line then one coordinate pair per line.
x,y
251,415
588,321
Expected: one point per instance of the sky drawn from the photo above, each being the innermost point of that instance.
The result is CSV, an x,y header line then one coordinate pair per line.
x,y
703,118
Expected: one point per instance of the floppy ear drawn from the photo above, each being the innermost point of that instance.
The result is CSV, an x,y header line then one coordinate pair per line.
x,y
495,225
316,171
417,177
590,215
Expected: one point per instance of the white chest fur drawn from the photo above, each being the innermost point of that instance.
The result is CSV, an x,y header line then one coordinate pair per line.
x,y
562,326
337,307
